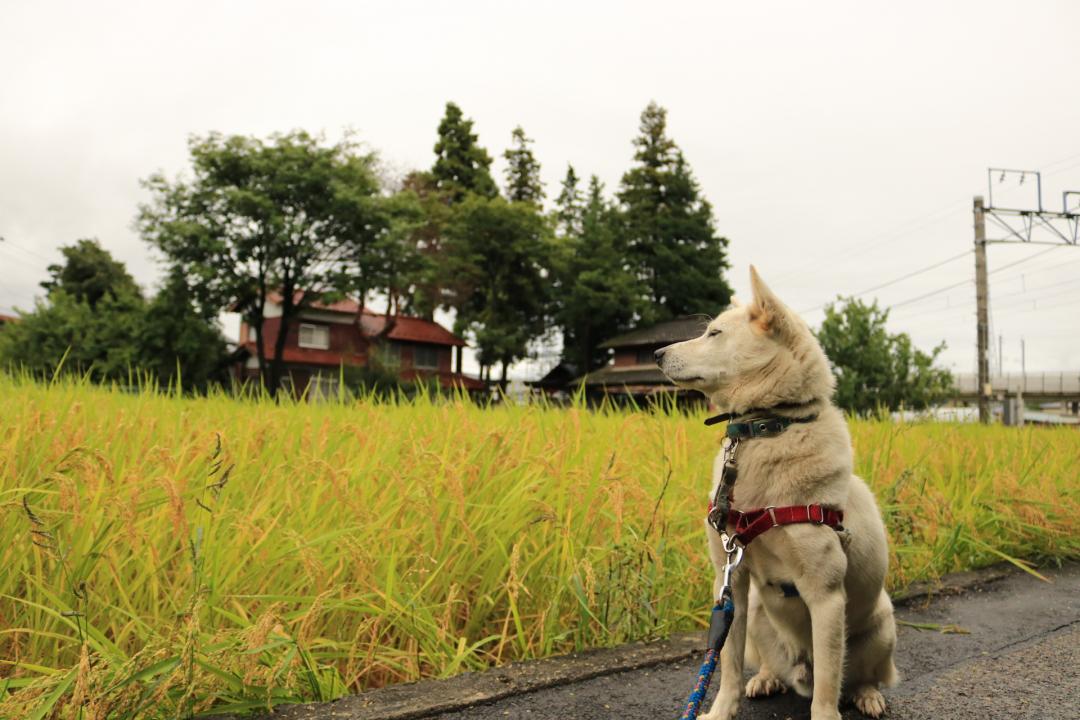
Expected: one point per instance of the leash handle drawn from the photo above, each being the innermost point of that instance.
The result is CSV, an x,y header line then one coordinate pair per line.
x,y
723,613
719,625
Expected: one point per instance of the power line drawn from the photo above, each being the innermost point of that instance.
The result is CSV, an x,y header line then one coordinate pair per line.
x,y
932,293
1024,260
20,260
906,228
1013,299
915,223
912,274
4,242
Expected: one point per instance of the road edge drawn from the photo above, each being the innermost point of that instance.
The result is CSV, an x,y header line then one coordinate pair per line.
x,y
410,701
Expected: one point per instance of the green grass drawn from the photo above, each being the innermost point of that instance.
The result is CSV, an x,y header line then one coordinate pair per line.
x,y
163,557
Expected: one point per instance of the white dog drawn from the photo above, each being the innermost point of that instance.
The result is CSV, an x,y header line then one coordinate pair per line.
x,y
802,589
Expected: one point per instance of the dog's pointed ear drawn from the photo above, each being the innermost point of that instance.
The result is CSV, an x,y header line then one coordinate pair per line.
x,y
766,310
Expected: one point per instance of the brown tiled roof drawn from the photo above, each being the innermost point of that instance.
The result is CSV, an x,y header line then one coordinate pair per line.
x,y
663,333
8,319
347,306
408,329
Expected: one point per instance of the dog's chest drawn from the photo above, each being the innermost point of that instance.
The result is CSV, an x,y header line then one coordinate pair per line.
x,y
765,561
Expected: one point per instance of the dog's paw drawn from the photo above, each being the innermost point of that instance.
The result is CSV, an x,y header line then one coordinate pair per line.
x,y
764,684
869,701
724,707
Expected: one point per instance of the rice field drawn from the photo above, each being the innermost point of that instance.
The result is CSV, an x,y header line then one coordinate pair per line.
x,y
164,556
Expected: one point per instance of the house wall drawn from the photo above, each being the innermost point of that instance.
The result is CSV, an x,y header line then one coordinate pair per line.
x,y
346,343
640,355
408,356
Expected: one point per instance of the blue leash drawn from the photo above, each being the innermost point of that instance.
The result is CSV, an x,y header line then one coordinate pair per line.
x,y
723,611
719,624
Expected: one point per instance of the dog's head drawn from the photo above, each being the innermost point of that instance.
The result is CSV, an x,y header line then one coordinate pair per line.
x,y
756,355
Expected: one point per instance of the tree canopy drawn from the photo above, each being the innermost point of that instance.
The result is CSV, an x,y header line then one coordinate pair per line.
x,y
89,273
496,253
289,217
94,321
668,226
598,295
875,369
461,165
293,219
522,171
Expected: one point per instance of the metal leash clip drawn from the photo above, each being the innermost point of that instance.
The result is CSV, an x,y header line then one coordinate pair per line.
x,y
734,552
721,503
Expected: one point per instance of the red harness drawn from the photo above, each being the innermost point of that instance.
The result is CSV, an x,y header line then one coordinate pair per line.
x,y
748,525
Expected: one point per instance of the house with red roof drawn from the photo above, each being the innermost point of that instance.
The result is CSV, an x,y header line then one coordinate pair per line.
x,y
326,336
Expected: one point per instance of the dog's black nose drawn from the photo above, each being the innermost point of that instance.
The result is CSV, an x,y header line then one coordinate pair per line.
x,y
659,355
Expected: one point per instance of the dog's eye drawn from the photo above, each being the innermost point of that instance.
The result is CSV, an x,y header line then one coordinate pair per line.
x,y
713,332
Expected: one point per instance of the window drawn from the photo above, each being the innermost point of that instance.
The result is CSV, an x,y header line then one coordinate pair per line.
x,y
314,336
645,356
389,354
426,357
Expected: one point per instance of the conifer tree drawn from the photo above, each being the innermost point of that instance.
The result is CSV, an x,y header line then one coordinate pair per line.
x,y
668,226
568,208
461,164
523,171
598,294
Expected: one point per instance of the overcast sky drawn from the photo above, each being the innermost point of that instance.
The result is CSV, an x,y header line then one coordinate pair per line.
x,y
839,143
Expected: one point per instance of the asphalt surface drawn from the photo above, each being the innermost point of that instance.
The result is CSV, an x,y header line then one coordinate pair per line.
x,y
1011,650
1020,658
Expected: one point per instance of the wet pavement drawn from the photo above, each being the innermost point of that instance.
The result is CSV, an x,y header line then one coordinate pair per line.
x,y
1014,653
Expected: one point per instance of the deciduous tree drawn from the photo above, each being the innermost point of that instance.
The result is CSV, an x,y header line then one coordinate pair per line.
x,y
496,256
179,342
259,218
89,273
94,321
875,369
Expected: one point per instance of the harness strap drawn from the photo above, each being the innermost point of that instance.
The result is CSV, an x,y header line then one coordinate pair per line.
x,y
748,525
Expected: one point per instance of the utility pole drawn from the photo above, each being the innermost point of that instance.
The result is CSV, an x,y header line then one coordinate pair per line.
x,y
1023,364
1019,225
982,302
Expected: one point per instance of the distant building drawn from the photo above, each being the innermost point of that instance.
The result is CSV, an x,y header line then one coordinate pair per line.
x,y
326,336
7,319
558,383
633,372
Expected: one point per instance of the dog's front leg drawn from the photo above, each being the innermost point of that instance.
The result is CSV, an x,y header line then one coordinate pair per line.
x,y
731,657
826,600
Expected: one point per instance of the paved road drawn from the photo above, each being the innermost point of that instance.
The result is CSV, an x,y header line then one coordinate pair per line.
x,y
1020,659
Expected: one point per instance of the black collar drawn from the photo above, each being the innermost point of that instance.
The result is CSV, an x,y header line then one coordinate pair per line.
x,y
724,417
767,424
